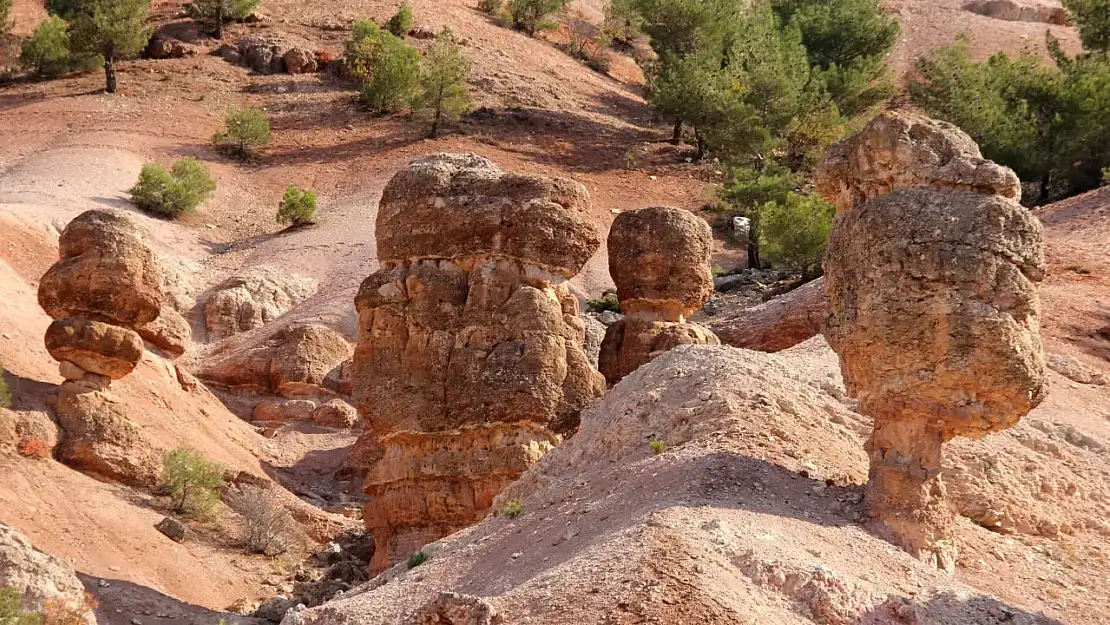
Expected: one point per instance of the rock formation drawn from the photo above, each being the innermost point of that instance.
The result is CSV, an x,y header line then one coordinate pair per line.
x,y
252,299
776,324
40,579
107,284
932,309
470,362
660,260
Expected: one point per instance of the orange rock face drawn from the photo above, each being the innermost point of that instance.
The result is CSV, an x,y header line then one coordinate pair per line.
x,y
470,344
660,260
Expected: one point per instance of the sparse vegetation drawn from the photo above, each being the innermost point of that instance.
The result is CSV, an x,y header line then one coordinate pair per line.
x,y
5,394
5,16
112,29
172,193
417,558
748,190
795,231
492,7
55,612
512,508
269,526
388,68
530,15
586,49
658,446
244,132
606,302
718,271
192,481
297,208
622,24
220,12
443,75
402,21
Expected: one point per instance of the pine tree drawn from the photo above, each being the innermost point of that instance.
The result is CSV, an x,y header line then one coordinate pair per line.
x,y
402,21
219,12
114,29
1092,18
443,74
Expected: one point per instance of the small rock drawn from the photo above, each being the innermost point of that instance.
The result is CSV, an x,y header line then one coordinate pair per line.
x,y
172,529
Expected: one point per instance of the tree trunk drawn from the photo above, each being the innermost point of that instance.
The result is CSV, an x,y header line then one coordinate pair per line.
x,y
701,143
435,123
109,74
1045,180
676,136
219,20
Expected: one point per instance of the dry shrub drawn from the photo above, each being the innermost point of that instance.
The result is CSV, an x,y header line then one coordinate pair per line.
x,y
61,612
270,529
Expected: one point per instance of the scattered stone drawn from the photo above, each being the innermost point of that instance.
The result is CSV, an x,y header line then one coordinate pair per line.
x,y
423,32
172,528
455,609
336,414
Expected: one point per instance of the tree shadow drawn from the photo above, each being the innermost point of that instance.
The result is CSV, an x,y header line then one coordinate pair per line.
x,y
360,148
121,602
28,393
1095,342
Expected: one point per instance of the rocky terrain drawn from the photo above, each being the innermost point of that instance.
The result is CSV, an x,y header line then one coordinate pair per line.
x,y
712,484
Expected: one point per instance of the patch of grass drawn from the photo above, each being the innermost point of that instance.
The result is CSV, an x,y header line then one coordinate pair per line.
x,y
512,508
719,271
608,301
658,446
417,558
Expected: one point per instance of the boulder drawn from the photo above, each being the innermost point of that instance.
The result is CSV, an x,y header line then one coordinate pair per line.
x,y
173,529
98,439
37,577
284,410
252,299
295,361
423,32
163,47
336,414
776,324
259,58
1012,11
106,273
170,332
633,342
299,61
1074,370
95,347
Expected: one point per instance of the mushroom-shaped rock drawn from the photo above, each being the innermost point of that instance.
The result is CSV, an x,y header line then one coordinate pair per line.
x,y
107,272
467,331
95,347
935,317
900,150
660,259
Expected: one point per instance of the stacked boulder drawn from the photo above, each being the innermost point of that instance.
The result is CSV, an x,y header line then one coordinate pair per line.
x,y
931,274
470,363
660,260
107,284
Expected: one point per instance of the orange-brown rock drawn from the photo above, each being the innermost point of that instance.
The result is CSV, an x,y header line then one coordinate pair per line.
x,y
660,260
95,347
295,361
777,324
899,150
100,440
107,273
935,317
169,332
469,322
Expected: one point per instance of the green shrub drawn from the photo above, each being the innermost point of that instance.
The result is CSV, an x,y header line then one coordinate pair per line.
x,y
193,482
622,23
172,193
606,302
532,15
417,558
443,75
11,614
658,446
297,208
402,21
388,68
47,52
491,7
219,12
1092,19
244,132
5,16
512,508
5,396
795,231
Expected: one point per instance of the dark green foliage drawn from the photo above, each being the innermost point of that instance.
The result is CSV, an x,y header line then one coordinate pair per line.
x,y
795,231
244,132
443,75
622,23
606,302
748,190
1092,19
192,481
10,612
5,15
47,52
297,208
1051,125
172,193
402,21
589,51
65,9
5,394
417,558
113,29
388,68
530,15
492,7
219,12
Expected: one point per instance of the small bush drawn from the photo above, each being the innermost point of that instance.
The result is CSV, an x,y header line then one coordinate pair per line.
x,y
297,208
5,394
795,231
192,481
388,68
172,193
417,558
718,271
402,21
532,15
442,92
244,132
606,302
47,52
512,508
234,10
658,446
491,7
622,23
268,524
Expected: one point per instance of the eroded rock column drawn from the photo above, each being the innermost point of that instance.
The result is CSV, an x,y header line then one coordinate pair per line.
x,y
469,363
933,312
660,260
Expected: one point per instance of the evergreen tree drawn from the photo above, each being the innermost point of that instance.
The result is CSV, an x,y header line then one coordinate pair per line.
x,y
114,29
402,21
1092,19
47,52
529,15
219,12
388,68
443,74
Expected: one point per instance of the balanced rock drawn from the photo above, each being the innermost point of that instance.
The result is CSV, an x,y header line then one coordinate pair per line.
x,y
933,311
660,260
467,333
95,347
